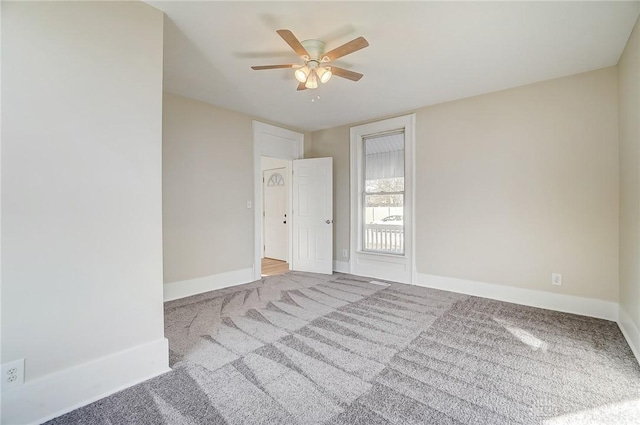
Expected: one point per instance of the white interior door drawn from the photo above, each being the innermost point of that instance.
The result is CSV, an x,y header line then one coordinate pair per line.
x,y
275,214
313,215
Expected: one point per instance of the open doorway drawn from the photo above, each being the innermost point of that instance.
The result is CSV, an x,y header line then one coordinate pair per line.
x,y
276,216
310,225
275,143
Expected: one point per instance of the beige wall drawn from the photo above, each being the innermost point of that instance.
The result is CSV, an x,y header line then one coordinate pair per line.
x,y
207,180
629,110
81,183
512,186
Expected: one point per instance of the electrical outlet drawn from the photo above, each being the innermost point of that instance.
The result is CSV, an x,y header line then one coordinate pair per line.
x,y
345,254
249,205
556,279
12,374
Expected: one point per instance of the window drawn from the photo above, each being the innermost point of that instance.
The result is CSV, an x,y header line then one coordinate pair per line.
x,y
382,164
276,180
383,195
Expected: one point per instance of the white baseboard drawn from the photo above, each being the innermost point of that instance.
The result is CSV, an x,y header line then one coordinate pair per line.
x,y
186,288
592,307
53,395
630,332
341,266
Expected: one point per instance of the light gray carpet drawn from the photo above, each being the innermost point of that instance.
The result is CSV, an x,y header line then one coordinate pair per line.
x,y
311,349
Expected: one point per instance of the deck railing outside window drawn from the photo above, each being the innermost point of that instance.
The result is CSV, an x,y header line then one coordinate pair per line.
x,y
384,238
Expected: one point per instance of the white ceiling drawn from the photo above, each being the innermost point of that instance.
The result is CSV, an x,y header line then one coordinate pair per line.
x,y
420,53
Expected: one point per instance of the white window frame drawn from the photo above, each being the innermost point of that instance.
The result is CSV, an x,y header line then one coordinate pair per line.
x,y
391,266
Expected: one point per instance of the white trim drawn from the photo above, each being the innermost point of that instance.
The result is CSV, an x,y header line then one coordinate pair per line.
x,y
275,142
401,268
341,266
630,332
187,288
53,395
592,307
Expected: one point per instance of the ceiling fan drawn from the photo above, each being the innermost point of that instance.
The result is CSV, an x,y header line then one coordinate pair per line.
x,y
315,67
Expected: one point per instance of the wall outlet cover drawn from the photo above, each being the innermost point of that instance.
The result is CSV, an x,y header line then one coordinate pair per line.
x,y
556,279
12,374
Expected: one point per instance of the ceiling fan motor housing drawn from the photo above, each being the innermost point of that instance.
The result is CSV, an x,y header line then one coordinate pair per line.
x,y
315,49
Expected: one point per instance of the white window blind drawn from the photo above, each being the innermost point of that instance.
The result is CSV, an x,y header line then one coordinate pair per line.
x,y
384,156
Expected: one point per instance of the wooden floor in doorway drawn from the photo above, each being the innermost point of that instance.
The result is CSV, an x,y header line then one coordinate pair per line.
x,y
272,267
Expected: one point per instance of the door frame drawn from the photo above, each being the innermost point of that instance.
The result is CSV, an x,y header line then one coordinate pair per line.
x,y
275,142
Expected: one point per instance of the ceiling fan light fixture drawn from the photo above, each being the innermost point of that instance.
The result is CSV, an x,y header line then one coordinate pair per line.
x,y
302,74
312,81
324,74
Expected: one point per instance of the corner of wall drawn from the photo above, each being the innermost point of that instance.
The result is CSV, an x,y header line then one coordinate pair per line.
x,y
630,331
629,162
308,145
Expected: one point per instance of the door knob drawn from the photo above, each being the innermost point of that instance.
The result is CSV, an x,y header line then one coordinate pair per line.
x,y
329,221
